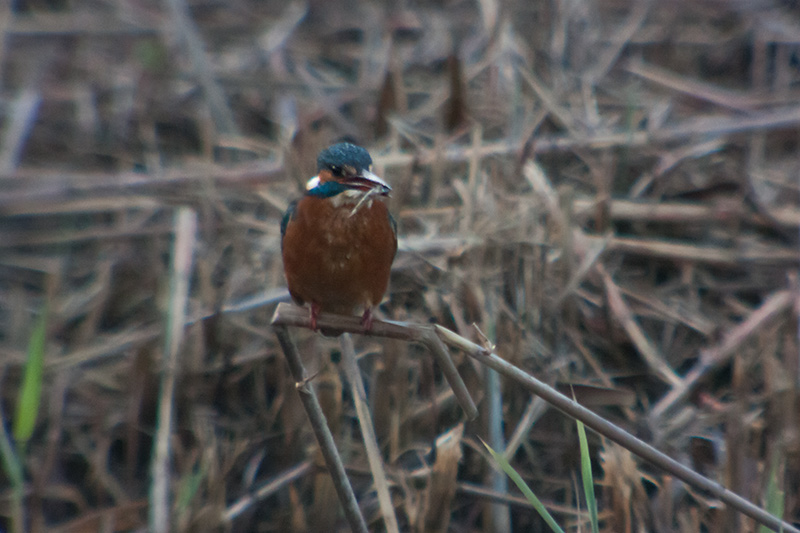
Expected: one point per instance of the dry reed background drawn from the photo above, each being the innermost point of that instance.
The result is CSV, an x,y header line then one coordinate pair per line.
x,y
609,190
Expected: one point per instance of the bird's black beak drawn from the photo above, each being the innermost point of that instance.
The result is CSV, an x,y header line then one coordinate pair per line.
x,y
380,186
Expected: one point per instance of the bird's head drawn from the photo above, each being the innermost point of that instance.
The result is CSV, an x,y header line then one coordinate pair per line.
x,y
345,167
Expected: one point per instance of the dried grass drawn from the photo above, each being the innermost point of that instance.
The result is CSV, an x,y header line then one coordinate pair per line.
x,y
609,190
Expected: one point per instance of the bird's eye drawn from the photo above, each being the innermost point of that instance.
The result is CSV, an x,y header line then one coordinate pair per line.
x,y
336,170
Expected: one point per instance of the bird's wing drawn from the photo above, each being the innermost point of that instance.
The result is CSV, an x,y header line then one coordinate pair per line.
x,y
287,217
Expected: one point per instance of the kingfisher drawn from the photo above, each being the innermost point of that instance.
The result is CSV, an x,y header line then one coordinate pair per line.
x,y
338,240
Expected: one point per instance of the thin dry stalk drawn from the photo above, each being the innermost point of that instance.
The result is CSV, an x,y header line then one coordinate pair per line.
x,y
353,376
267,489
533,411
187,31
730,257
23,116
443,480
686,213
714,357
737,100
613,432
646,349
451,375
185,235
290,315
320,426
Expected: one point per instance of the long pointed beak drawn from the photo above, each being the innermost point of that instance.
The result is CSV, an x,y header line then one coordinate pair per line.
x,y
382,187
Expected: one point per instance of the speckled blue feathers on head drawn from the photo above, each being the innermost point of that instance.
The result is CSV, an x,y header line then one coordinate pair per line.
x,y
339,155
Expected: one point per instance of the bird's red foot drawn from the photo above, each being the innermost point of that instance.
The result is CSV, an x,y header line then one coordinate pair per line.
x,y
314,315
366,319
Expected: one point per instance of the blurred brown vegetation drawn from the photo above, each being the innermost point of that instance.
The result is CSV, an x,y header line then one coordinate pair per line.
x,y
609,191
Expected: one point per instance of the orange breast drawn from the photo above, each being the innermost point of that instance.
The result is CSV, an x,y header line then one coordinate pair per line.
x,y
340,261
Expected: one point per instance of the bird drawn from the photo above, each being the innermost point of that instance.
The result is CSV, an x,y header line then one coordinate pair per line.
x,y
338,240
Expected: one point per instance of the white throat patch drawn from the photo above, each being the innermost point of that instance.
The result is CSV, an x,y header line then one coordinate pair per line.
x,y
353,197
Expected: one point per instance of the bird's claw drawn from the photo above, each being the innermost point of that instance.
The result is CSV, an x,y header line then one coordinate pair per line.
x,y
314,315
366,320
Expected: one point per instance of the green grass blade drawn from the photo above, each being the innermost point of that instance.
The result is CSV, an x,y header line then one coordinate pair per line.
x,y
529,495
588,481
775,496
12,466
189,487
31,393
11,463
